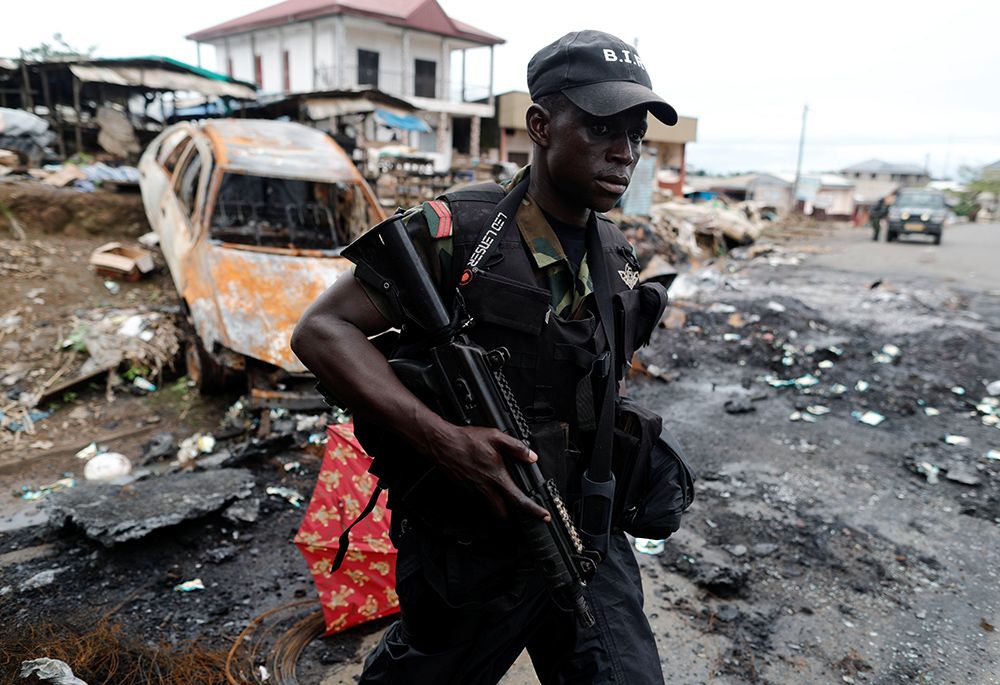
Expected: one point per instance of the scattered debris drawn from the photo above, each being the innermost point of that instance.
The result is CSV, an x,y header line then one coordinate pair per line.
x,y
119,261
190,585
195,445
740,405
647,546
107,466
43,579
61,484
872,418
53,670
159,446
294,498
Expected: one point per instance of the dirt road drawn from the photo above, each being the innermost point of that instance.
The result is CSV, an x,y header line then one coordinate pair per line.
x,y
820,549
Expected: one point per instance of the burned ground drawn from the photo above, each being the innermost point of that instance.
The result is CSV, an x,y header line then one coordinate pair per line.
x,y
820,549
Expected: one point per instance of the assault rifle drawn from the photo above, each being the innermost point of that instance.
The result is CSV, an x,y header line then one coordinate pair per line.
x,y
468,384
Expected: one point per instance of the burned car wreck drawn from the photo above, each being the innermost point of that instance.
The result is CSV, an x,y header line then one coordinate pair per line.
x,y
251,217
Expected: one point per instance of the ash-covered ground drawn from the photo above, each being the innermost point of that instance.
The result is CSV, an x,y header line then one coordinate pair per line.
x,y
820,548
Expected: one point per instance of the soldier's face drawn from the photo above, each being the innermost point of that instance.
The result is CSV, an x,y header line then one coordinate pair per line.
x,y
591,158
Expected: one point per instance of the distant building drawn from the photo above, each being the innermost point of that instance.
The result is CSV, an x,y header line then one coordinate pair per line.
x,y
875,179
876,170
507,134
402,48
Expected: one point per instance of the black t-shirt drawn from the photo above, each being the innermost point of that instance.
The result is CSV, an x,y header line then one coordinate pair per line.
x,y
572,238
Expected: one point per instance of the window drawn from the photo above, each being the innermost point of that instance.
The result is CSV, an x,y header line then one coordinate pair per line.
x,y
288,213
173,149
367,68
424,81
187,186
286,77
257,71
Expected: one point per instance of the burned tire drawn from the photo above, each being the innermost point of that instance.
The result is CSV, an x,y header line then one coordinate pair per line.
x,y
207,376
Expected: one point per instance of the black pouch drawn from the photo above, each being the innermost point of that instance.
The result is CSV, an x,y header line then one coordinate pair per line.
x,y
654,484
557,459
637,312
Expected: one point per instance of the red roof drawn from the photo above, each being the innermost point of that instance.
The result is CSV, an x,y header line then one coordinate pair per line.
x,y
421,15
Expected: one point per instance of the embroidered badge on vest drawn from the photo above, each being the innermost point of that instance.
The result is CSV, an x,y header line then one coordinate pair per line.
x,y
438,217
629,275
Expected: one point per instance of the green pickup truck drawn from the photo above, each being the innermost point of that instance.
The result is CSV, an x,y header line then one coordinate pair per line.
x,y
917,211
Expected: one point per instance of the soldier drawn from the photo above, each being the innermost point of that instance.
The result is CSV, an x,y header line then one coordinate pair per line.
x,y
470,598
879,212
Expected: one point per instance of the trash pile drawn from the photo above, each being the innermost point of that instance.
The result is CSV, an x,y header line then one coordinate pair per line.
x,y
137,341
680,231
23,139
85,178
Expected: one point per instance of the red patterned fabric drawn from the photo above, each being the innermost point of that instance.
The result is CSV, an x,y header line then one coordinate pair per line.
x,y
363,588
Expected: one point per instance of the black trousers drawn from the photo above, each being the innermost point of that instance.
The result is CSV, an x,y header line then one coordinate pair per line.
x,y
467,612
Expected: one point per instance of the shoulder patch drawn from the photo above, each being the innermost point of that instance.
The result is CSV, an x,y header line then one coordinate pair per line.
x,y
437,214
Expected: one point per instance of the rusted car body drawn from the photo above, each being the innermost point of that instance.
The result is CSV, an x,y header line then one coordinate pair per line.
x,y
251,216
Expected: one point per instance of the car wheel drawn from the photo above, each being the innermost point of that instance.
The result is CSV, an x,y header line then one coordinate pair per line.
x,y
937,239
890,236
207,376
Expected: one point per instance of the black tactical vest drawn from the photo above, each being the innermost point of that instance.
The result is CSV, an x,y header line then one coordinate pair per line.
x,y
549,356
555,370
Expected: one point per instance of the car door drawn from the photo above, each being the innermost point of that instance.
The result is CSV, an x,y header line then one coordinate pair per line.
x,y
182,209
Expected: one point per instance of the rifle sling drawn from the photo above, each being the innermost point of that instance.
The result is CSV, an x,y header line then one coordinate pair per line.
x,y
345,537
600,460
493,230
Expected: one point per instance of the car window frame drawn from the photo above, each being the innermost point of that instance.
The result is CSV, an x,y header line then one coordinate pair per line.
x,y
196,211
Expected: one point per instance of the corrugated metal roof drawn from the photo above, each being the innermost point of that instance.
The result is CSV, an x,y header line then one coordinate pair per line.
x,y
422,15
877,166
825,180
155,78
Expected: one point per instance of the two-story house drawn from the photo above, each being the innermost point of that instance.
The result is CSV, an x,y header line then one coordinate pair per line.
x,y
402,48
877,170
874,179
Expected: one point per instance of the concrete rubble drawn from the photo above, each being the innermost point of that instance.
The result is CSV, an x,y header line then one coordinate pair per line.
x,y
112,513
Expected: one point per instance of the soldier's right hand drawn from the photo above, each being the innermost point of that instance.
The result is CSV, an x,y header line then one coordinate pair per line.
x,y
474,458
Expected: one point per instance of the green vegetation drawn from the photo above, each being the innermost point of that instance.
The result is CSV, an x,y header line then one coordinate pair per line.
x,y
136,371
60,48
976,182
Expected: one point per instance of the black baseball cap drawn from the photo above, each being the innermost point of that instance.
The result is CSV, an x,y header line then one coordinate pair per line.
x,y
600,74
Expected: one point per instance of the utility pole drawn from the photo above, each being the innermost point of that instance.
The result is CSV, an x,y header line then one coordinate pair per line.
x,y
798,167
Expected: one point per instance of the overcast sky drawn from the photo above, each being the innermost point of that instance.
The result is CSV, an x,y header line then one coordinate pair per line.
x,y
897,81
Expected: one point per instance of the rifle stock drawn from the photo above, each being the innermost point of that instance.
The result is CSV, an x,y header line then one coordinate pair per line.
x,y
470,388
